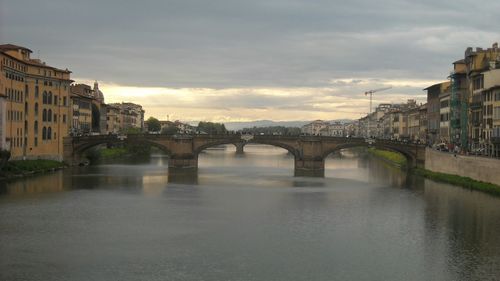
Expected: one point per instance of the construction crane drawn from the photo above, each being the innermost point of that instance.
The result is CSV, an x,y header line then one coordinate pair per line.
x,y
371,97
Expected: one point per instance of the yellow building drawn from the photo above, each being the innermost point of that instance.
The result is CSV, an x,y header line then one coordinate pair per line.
x,y
37,105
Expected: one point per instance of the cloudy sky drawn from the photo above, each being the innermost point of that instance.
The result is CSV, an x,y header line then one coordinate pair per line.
x,y
222,60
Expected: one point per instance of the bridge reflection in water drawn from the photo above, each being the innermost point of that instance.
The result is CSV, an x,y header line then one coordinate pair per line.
x,y
309,152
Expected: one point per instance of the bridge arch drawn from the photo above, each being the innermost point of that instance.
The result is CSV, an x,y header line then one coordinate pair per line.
x,y
285,146
411,159
79,151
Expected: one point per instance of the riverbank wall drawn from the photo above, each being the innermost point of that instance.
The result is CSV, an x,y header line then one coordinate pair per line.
x,y
478,168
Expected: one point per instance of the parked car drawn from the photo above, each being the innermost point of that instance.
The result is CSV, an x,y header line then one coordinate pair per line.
x,y
442,147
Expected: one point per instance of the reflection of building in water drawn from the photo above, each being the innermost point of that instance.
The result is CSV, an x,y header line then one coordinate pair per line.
x,y
52,182
472,219
154,184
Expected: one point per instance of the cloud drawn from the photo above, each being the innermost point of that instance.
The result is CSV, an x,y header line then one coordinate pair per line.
x,y
247,59
245,104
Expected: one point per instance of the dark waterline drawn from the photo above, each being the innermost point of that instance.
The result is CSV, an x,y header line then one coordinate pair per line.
x,y
246,218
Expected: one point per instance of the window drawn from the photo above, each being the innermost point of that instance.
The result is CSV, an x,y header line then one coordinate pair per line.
x,y
477,83
26,91
44,133
44,115
36,109
36,141
55,100
35,127
49,133
49,98
49,115
55,118
64,118
44,97
65,101
496,113
36,90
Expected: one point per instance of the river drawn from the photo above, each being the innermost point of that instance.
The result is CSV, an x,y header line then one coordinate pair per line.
x,y
246,218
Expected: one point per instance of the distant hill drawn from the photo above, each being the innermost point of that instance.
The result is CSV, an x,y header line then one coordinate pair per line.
x,y
268,123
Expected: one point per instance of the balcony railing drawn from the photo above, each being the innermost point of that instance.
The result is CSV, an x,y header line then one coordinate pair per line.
x,y
476,105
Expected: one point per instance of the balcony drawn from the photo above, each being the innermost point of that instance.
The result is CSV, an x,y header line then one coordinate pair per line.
x,y
476,105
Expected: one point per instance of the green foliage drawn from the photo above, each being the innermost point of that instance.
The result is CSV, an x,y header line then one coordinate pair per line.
x,y
273,130
26,166
131,131
4,157
460,181
172,130
109,153
212,128
128,151
391,156
153,124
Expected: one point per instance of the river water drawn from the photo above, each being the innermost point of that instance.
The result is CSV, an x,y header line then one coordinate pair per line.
x,y
246,218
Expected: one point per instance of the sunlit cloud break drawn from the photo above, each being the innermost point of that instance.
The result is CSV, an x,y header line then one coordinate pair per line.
x,y
344,99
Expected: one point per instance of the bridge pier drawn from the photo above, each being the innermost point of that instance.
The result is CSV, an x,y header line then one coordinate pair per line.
x,y
239,148
314,167
183,162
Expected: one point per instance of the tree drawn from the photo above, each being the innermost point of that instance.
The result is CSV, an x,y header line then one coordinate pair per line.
x,y
212,128
153,124
170,130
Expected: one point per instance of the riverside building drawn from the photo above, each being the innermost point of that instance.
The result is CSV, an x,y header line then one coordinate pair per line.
x,y
37,109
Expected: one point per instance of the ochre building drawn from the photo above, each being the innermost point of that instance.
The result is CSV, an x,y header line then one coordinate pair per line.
x,y
36,109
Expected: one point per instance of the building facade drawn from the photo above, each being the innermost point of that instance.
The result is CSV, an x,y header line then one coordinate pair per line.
x,y
37,105
124,117
88,110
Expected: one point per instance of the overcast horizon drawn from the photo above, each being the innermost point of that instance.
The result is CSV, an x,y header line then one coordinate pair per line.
x,y
252,60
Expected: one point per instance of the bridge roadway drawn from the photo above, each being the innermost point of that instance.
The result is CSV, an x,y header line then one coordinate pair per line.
x,y
309,151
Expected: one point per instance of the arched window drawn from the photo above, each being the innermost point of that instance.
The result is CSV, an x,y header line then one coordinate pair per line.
x,y
26,109
55,118
35,127
55,100
36,109
44,115
44,133
36,91
49,99
49,115
44,97
25,126
49,133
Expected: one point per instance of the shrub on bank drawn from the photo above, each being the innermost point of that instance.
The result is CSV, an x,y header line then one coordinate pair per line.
x,y
460,181
27,166
394,157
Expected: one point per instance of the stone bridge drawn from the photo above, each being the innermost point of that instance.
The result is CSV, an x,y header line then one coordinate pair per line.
x,y
309,151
